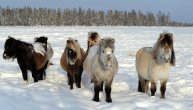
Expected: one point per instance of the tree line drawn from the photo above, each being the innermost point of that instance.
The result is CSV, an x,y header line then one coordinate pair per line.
x,y
28,16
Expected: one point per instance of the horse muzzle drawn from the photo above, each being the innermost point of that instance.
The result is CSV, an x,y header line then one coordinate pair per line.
x,y
108,67
166,60
72,62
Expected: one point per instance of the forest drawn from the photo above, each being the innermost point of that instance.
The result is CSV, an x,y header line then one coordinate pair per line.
x,y
28,16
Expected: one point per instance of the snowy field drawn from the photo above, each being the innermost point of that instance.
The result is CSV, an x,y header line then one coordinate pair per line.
x,y
54,93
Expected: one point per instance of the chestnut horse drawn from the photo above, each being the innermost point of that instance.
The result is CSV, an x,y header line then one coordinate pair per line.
x,y
72,61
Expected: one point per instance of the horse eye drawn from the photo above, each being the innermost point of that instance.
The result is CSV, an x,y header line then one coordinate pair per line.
x,y
103,51
112,51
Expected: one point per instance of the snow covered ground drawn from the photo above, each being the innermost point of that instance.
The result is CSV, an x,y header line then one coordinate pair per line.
x,y
54,94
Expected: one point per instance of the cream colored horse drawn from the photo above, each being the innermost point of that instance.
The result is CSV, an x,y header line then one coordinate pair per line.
x,y
153,64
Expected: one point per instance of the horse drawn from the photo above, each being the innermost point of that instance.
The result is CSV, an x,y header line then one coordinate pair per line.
x,y
154,63
72,60
29,57
101,64
49,51
93,39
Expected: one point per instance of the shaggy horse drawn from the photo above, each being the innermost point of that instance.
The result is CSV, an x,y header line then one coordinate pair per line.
x,y
153,64
49,51
72,61
93,39
29,57
102,65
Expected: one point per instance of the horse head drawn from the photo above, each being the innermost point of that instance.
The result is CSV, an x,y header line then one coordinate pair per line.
x,y
93,39
164,52
72,51
9,48
43,40
107,52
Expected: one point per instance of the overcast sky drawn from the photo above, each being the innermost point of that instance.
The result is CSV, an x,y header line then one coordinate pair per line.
x,y
180,10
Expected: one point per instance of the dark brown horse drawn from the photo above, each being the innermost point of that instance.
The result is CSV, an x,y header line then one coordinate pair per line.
x,y
29,57
72,61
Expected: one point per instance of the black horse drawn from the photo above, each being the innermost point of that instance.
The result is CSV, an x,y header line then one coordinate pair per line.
x,y
27,58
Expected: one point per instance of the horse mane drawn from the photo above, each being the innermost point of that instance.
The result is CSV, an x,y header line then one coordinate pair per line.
x,y
93,35
165,38
74,45
41,39
22,44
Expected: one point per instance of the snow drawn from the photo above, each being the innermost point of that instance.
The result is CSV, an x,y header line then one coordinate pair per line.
x,y
54,93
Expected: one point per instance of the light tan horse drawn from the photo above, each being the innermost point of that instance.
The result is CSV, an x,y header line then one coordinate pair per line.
x,y
72,61
153,64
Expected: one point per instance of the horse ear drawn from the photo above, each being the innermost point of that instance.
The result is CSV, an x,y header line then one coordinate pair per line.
x,y
68,41
89,34
9,37
46,39
35,39
161,36
171,36
113,41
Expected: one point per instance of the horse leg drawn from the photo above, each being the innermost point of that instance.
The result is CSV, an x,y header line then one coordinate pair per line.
x,y
35,75
141,85
163,89
91,81
146,85
70,80
78,78
40,74
102,86
108,91
45,67
153,88
96,90
24,73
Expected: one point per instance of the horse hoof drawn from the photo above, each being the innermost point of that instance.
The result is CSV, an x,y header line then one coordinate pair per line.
x,y
96,99
109,100
79,86
71,88
35,81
